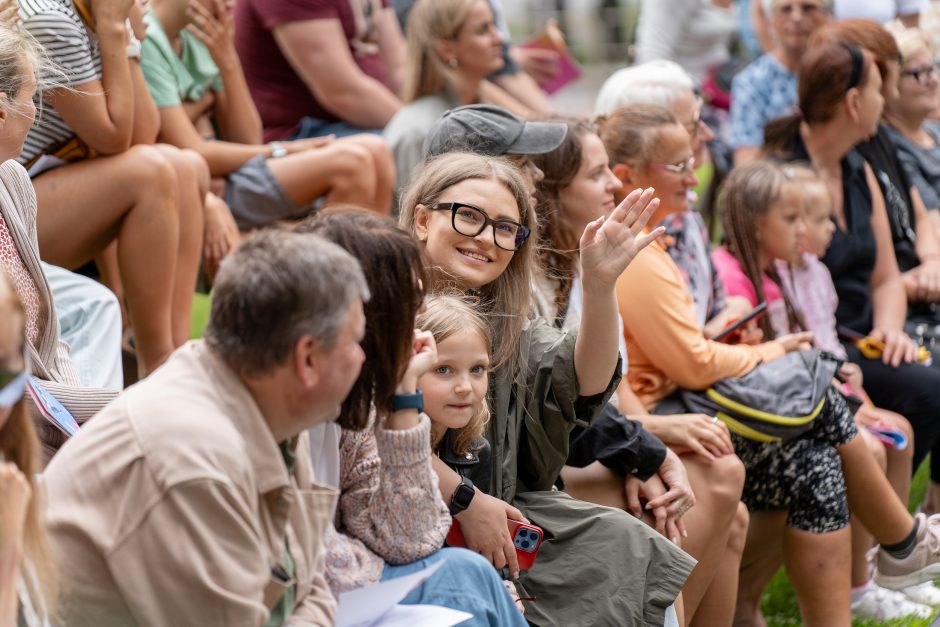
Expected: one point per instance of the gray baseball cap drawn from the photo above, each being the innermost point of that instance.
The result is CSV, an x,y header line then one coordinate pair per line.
x,y
491,130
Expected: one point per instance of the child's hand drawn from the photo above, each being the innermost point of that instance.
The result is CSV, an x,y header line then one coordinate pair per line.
x,y
852,375
215,29
422,360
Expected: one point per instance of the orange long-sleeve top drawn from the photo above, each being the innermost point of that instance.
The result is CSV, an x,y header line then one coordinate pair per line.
x,y
666,348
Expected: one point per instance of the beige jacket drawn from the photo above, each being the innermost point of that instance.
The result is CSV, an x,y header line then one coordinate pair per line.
x,y
49,358
174,504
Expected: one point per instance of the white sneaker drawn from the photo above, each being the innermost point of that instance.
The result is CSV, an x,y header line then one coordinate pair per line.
x,y
924,593
883,604
923,564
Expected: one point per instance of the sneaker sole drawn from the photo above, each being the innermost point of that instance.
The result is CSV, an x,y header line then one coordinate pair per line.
x,y
897,582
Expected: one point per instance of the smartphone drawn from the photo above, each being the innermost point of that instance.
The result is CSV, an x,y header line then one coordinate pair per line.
x,y
525,537
754,314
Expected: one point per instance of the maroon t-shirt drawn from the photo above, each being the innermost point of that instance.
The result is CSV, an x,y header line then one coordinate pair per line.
x,y
279,93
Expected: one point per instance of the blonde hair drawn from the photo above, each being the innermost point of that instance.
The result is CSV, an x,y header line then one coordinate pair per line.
x,y
20,55
20,445
910,41
429,22
446,315
631,133
505,302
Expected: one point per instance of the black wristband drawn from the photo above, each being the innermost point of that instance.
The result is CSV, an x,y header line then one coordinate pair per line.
x,y
462,496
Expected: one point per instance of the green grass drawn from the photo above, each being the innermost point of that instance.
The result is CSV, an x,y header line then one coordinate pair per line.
x,y
779,602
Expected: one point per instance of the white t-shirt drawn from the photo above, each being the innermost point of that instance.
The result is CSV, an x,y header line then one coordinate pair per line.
x,y
880,11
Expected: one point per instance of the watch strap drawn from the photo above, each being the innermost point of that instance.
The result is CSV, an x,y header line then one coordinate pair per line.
x,y
408,401
462,496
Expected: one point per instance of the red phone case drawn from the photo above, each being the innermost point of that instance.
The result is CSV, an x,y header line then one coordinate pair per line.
x,y
526,538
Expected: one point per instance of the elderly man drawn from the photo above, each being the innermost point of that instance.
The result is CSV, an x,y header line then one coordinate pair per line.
x,y
189,500
766,89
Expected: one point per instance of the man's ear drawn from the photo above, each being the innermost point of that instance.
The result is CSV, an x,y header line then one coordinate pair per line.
x,y
422,216
307,358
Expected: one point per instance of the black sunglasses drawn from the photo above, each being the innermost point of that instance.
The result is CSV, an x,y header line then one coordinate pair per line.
x,y
470,220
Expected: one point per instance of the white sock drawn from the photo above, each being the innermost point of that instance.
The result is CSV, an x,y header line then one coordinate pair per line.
x,y
859,591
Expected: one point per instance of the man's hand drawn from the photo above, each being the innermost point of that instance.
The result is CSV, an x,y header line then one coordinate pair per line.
x,y
485,529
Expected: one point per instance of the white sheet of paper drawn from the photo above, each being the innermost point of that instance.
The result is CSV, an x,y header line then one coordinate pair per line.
x,y
422,616
364,606
44,163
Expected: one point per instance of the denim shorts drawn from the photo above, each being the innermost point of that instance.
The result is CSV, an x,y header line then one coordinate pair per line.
x,y
257,199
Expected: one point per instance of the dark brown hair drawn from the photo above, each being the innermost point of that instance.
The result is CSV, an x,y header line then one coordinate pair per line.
x,y
393,266
558,242
826,73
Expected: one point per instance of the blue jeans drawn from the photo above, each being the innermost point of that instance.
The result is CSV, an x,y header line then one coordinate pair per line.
x,y
312,127
465,582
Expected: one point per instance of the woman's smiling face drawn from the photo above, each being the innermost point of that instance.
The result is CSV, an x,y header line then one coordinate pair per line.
x,y
472,261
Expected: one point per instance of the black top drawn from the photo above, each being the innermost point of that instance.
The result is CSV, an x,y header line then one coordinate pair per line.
x,y
851,255
881,153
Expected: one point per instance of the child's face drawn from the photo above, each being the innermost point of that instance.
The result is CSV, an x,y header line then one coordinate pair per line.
x,y
455,388
780,230
817,212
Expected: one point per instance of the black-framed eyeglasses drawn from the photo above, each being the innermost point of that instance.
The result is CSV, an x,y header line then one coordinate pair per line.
x,y
921,74
470,220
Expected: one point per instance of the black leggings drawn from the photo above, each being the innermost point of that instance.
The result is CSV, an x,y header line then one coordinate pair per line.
x,y
913,391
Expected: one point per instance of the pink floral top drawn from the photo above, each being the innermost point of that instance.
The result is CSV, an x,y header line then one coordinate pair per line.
x,y
22,281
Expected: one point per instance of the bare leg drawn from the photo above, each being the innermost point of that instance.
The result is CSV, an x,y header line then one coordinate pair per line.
x,y
717,606
870,495
818,567
78,217
717,488
384,169
762,558
343,172
861,539
192,176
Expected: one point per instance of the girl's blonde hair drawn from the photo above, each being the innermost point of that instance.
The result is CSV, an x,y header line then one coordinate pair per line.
x,y
504,303
429,22
20,445
446,315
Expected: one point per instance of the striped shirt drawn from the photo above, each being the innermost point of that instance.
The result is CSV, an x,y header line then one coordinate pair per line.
x,y
57,26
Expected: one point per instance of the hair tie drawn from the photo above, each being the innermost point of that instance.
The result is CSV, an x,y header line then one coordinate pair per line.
x,y
858,65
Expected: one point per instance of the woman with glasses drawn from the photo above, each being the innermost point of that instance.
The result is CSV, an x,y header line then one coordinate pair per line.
x,y
472,216
578,186
907,113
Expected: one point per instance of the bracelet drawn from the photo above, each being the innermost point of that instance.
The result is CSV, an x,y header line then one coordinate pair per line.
x,y
277,150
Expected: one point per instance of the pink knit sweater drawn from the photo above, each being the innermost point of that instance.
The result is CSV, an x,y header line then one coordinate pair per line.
x,y
390,509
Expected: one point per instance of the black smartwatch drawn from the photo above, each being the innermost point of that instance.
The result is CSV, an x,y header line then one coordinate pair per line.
x,y
462,496
408,401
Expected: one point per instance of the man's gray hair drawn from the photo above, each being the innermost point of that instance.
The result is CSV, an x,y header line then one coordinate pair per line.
x,y
658,82
275,288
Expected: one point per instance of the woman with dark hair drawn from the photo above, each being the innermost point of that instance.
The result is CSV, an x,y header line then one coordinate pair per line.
x,y
577,188
390,518
28,582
